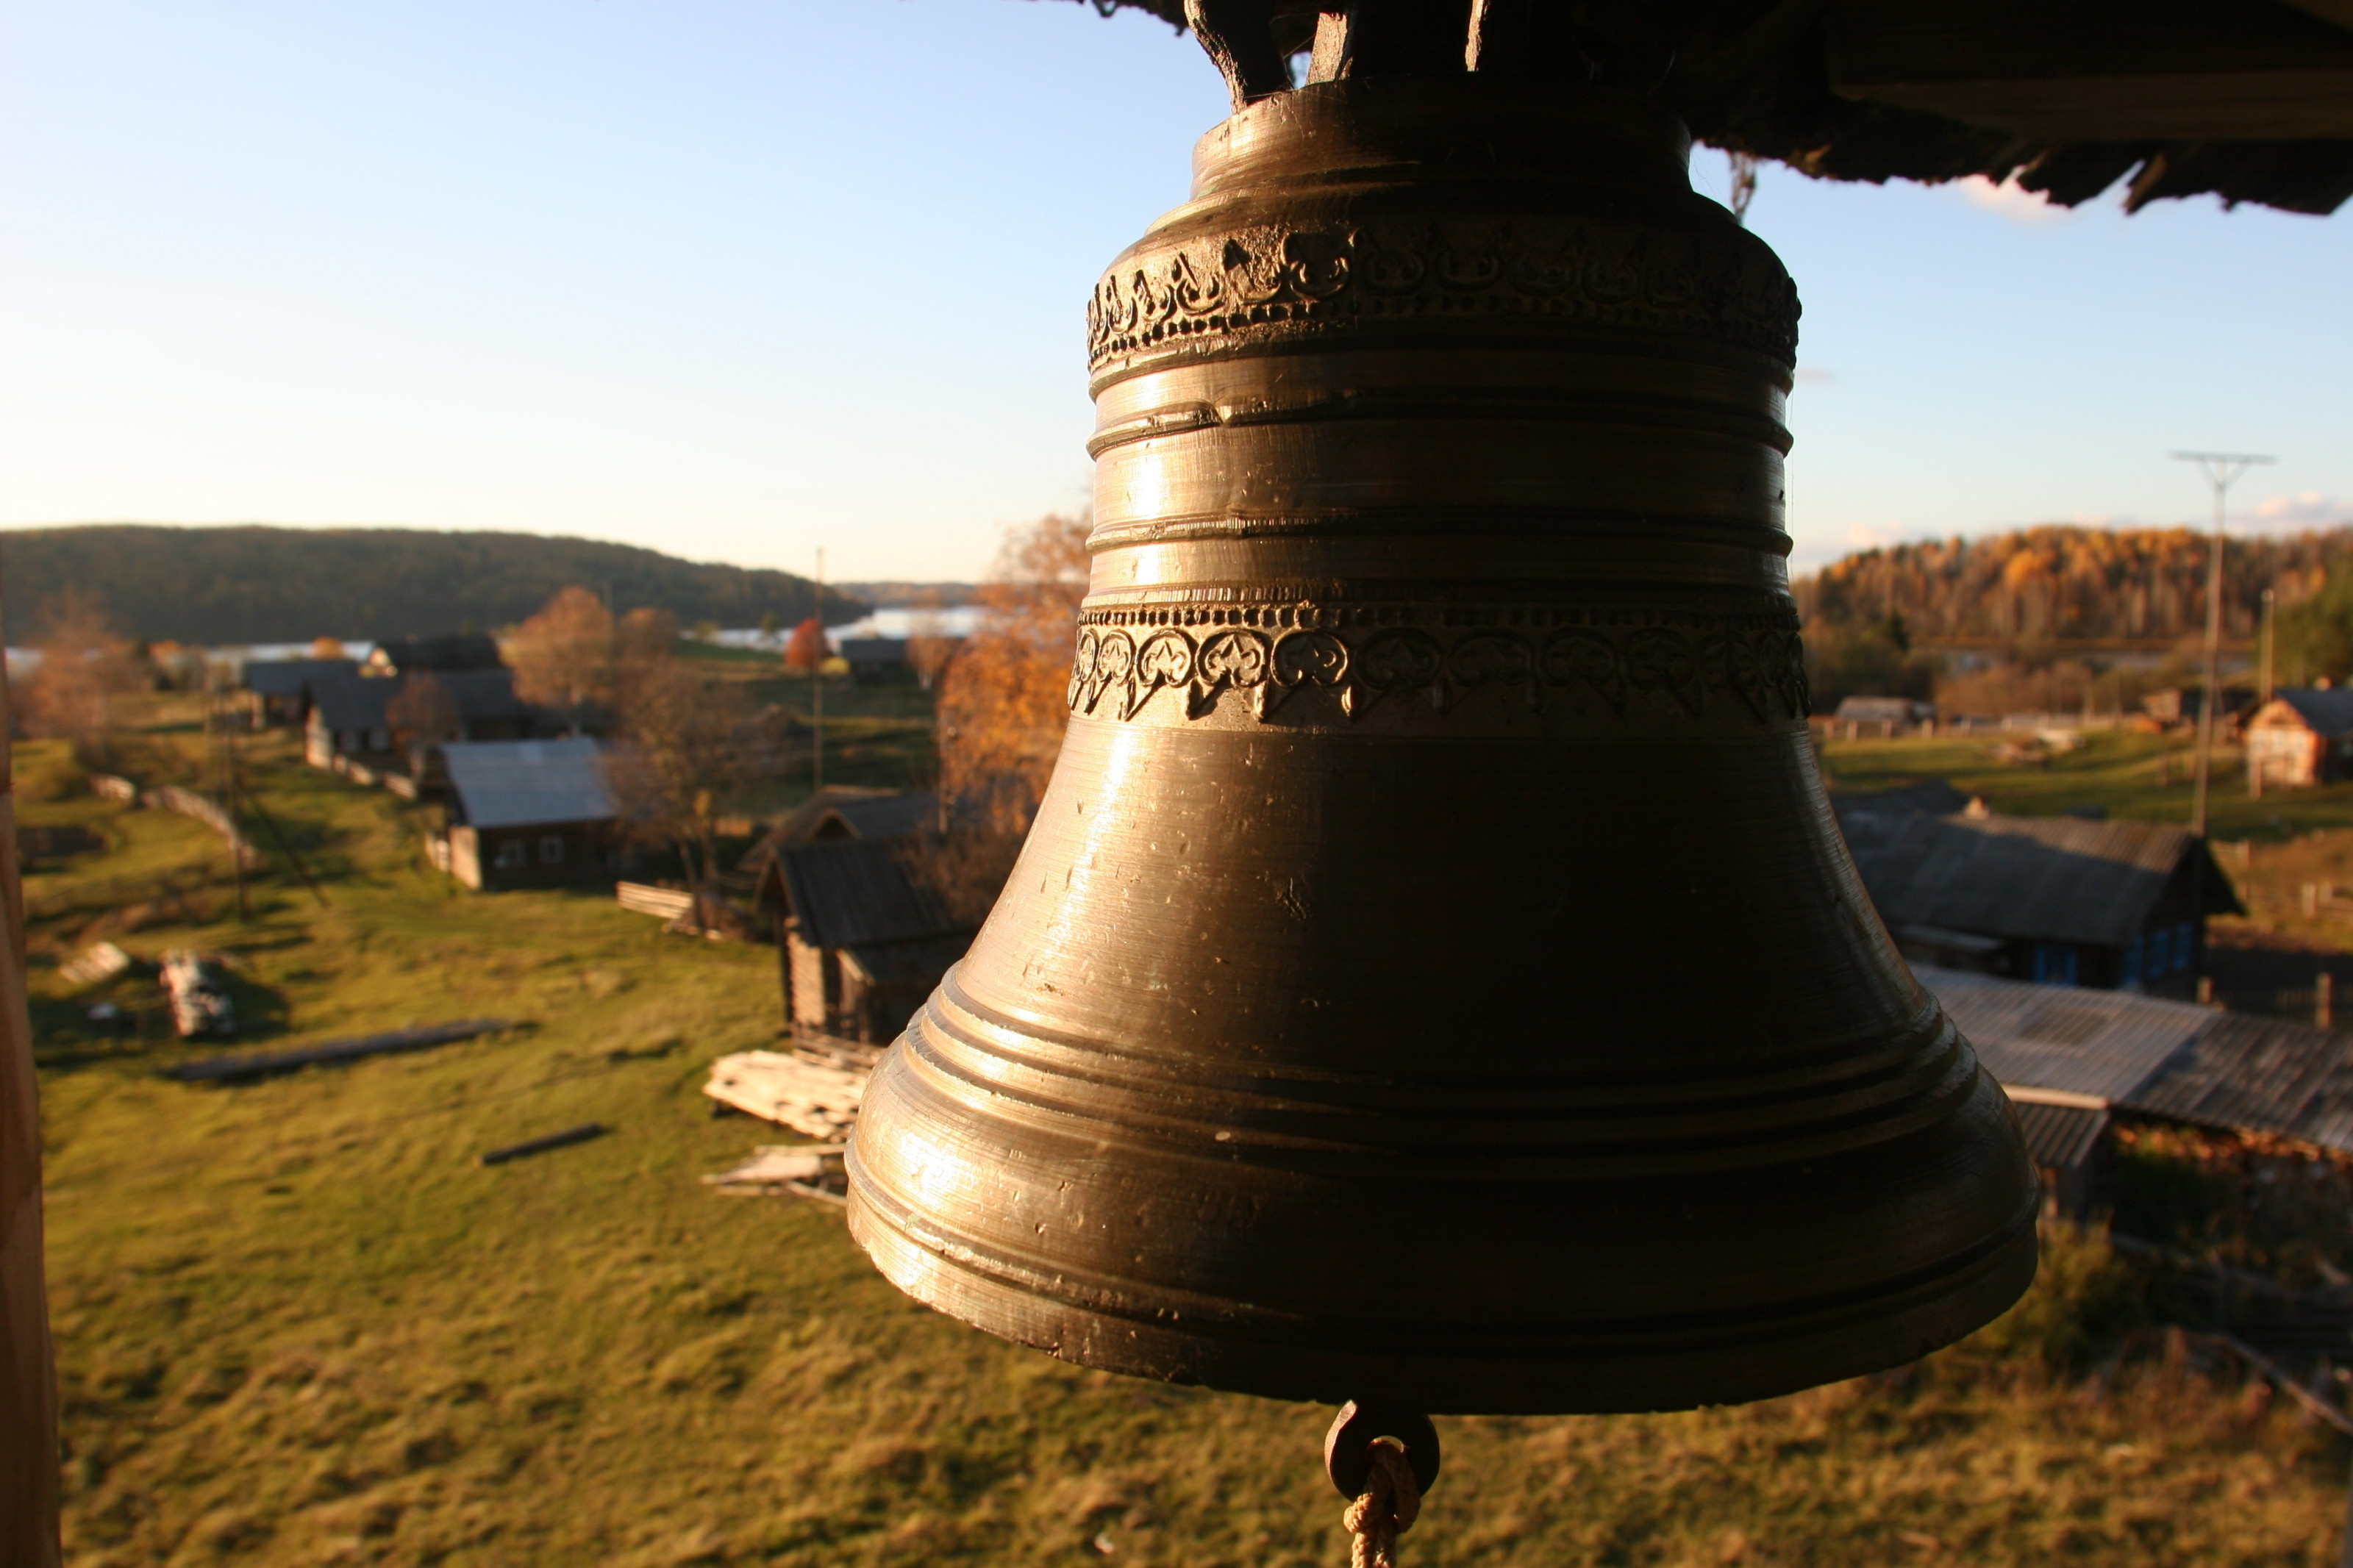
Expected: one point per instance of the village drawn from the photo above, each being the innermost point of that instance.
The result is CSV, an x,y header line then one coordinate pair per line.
x,y
1447,783
391,919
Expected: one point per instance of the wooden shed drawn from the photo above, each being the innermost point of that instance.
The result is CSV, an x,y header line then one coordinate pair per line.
x,y
2301,736
2060,900
526,814
867,932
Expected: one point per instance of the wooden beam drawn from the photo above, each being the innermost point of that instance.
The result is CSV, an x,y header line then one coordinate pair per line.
x,y
2102,70
28,1386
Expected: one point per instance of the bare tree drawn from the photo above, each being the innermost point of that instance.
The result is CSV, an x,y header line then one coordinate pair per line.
x,y
85,665
685,741
1003,701
564,656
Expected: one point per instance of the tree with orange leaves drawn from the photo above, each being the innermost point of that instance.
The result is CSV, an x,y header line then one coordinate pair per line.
x,y
563,656
805,651
1003,699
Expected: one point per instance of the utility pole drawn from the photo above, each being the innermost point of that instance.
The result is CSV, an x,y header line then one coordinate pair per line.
x,y
817,682
2268,606
2222,470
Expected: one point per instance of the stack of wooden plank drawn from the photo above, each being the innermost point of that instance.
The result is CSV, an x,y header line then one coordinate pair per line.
x,y
815,1089
667,902
809,1171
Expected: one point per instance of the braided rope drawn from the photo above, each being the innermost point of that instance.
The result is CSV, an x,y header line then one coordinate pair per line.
x,y
1391,1502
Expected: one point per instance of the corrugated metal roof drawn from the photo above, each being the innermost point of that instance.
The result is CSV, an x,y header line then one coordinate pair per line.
x,y
527,783
2105,1044
2325,712
2047,879
2061,1137
2187,1063
854,891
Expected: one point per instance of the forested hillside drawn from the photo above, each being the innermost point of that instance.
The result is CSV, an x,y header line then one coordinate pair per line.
x,y
288,585
2065,583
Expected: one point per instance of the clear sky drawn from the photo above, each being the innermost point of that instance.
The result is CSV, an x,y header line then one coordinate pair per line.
x,y
738,278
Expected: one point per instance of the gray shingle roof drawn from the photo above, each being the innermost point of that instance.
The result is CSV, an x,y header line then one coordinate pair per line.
x,y
288,677
347,703
852,892
481,694
2328,712
527,783
2052,879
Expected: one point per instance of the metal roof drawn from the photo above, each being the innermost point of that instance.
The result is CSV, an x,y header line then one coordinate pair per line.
x,y
527,783
852,892
2325,711
2061,1137
2054,879
2173,1059
2101,1044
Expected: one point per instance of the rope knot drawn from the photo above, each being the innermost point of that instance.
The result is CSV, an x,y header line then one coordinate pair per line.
x,y
1390,1503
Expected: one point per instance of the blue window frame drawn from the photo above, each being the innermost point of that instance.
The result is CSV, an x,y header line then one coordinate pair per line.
x,y
2184,949
2160,953
2131,975
2054,964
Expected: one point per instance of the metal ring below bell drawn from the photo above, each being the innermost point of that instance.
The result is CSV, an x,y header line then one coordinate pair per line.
x,y
1353,1431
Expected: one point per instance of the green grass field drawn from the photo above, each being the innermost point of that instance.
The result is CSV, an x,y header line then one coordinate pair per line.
x,y
2146,777
298,1323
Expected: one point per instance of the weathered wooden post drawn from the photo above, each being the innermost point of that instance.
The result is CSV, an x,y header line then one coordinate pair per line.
x,y
28,1390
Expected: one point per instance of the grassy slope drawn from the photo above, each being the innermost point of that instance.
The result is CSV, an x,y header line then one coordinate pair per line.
x,y
299,1325
2113,769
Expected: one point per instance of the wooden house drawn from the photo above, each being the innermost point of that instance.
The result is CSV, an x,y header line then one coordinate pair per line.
x,y
524,814
443,655
2301,736
351,715
1887,715
875,658
2059,900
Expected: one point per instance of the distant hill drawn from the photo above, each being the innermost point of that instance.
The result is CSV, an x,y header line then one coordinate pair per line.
x,y
2062,582
253,584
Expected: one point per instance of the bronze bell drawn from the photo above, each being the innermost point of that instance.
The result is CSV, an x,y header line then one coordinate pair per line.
x,y
1435,974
